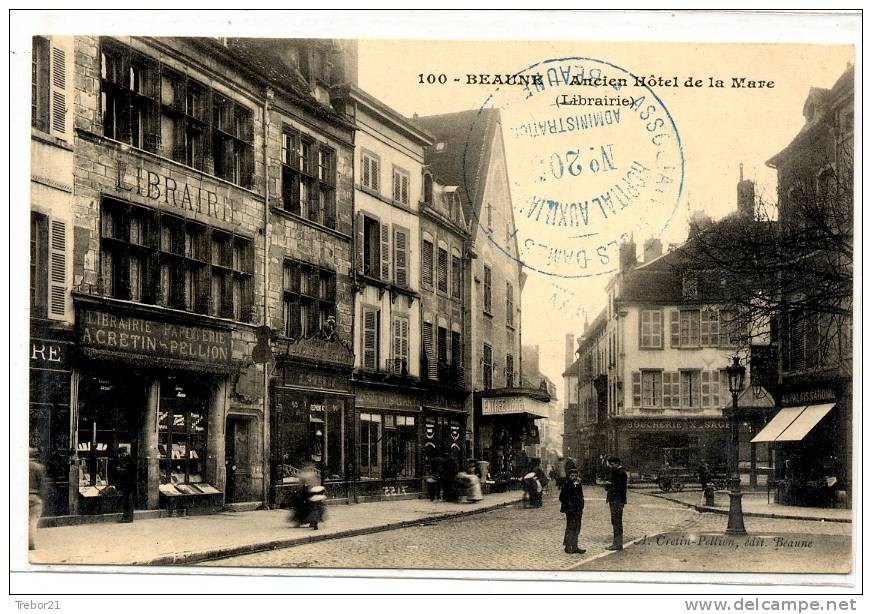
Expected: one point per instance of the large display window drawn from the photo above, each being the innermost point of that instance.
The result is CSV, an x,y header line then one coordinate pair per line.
x,y
387,446
182,424
109,417
308,429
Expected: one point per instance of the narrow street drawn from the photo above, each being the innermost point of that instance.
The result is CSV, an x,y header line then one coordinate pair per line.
x,y
508,538
516,538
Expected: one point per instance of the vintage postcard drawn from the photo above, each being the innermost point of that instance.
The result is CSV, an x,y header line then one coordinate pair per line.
x,y
365,298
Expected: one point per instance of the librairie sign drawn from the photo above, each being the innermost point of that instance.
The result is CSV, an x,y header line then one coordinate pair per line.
x,y
166,190
142,337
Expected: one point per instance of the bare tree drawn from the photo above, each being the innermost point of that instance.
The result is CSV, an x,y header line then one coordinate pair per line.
x,y
788,278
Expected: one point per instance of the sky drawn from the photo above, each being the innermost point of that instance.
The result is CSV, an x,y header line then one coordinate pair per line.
x,y
718,129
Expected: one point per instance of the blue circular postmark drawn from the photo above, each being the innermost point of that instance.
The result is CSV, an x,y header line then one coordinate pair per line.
x,y
593,158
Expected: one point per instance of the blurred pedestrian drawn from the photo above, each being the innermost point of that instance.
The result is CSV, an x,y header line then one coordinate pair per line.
x,y
37,494
572,504
704,475
616,496
448,472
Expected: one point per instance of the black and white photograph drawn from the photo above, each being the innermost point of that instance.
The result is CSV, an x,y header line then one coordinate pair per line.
x,y
394,301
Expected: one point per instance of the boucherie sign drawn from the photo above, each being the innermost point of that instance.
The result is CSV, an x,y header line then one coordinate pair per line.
x,y
132,335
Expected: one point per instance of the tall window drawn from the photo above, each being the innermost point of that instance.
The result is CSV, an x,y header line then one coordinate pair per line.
x,y
427,263
309,298
442,345
456,275
400,345
400,186
38,265
369,170
690,388
671,390
371,247
401,256
308,178
710,388
156,108
40,90
689,328
652,384
510,371
456,349
152,257
488,296
651,329
400,446
709,328
442,271
510,305
487,366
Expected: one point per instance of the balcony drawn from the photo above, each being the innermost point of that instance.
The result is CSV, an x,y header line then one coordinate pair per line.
x,y
397,366
444,373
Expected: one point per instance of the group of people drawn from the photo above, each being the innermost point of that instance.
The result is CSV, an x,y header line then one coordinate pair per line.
x,y
445,482
572,505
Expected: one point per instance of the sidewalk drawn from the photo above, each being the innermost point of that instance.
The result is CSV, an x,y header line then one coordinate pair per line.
x,y
755,504
191,539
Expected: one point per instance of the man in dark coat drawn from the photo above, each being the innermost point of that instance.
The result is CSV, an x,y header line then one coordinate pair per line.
x,y
572,504
124,479
616,496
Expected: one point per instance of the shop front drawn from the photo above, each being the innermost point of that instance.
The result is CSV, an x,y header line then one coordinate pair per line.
x,y
50,372
155,384
809,437
388,443
646,445
312,422
505,429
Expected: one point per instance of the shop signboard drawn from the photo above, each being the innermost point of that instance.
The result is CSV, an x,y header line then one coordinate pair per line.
x,y
49,354
502,406
143,337
675,425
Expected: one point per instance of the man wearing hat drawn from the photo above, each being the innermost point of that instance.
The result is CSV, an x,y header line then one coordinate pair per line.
x,y
572,504
616,496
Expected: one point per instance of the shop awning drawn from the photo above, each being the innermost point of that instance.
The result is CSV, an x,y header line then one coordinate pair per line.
x,y
793,423
806,422
502,406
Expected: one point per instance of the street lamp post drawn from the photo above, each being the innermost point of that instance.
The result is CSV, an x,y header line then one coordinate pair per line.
x,y
736,519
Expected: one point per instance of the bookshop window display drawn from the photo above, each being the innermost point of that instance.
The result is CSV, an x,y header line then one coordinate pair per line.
x,y
109,418
182,424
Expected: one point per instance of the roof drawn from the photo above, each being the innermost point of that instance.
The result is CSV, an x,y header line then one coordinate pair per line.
x,y
461,153
817,97
386,114
264,58
573,368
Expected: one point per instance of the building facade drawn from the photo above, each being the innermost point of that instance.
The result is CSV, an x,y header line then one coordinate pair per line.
x,y
570,448
468,153
193,203
811,428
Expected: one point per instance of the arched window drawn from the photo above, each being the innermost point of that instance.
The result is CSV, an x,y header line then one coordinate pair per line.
x,y
428,188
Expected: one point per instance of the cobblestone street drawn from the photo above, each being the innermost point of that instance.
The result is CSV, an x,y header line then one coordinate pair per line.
x,y
509,538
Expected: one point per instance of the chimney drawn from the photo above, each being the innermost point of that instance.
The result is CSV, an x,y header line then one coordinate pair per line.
x,y
653,249
627,256
745,195
569,355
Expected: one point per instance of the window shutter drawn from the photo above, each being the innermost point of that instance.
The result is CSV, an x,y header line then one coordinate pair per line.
x,y
401,256
428,350
667,390
637,388
385,252
404,341
58,92
397,340
427,263
715,388
57,279
370,338
443,271
674,328
685,388
360,240
706,389
644,327
657,329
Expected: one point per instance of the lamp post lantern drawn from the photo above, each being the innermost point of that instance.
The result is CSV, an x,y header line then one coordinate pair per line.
x,y
736,520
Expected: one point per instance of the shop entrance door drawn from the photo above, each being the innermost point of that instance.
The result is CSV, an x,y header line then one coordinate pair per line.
x,y
237,452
